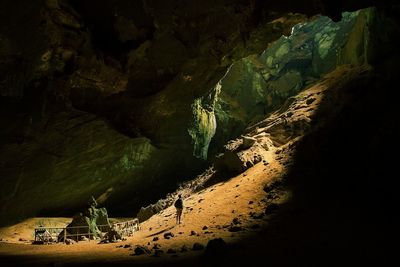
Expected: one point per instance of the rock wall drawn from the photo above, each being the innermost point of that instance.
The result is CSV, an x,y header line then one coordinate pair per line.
x,y
115,98
259,84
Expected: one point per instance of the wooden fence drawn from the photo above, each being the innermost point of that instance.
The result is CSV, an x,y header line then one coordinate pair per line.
x,y
47,235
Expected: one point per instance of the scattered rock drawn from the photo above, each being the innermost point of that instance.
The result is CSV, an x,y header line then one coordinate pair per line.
x,y
197,246
171,251
127,246
21,239
156,238
69,241
156,246
84,238
235,221
184,248
205,227
140,250
216,247
271,208
251,202
193,232
208,232
310,101
168,235
181,233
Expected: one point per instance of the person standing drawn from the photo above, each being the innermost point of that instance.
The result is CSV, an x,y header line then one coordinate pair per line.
x,y
179,208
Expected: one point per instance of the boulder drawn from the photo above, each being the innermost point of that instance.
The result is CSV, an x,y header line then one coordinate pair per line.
x,y
216,247
148,211
168,235
140,250
113,236
88,221
247,142
69,241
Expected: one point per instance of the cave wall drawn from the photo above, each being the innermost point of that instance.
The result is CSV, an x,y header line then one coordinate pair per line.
x,y
98,97
259,84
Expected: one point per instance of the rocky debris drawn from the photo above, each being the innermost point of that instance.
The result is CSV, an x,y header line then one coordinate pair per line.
x,y
127,246
193,232
271,208
251,202
22,240
112,236
197,246
236,221
205,227
148,211
216,247
234,160
69,241
156,246
171,251
185,189
156,238
247,142
168,235
140,250
310,100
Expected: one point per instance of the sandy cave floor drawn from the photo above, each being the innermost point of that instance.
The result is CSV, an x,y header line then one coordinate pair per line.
x,y
214,207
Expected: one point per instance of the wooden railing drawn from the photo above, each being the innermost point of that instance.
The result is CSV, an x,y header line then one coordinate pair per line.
x,y
52,234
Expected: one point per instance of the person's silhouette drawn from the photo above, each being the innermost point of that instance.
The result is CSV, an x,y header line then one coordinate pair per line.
x,y
179,208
